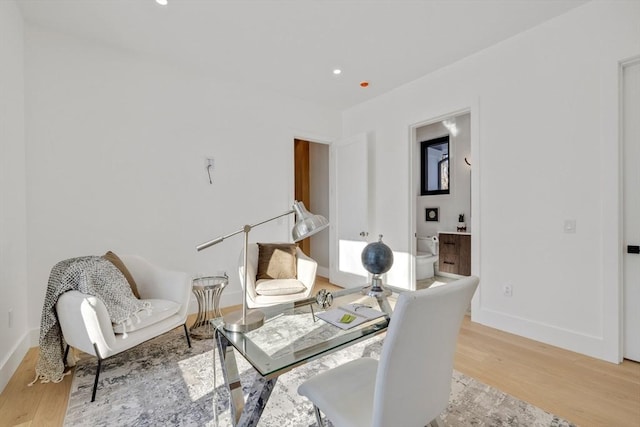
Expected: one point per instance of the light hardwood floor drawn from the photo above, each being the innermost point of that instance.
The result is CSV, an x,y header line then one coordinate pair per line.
x,y
586,391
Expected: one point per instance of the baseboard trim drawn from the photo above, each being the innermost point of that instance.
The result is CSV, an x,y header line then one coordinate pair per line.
x,y
12,362
322,271
576,341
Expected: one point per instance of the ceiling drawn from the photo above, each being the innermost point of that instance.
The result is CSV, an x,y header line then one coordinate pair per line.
x,y
292,46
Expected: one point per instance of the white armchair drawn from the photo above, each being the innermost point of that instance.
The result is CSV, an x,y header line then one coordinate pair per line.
x,y
86,325
277,290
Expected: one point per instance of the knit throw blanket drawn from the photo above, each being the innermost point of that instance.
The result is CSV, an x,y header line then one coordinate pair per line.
x,y
91,275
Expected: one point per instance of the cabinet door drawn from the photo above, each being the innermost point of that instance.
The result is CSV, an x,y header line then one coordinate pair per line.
x,y
448,257
464,264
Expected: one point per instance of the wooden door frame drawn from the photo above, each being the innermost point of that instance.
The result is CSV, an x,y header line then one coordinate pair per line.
x,y
302,182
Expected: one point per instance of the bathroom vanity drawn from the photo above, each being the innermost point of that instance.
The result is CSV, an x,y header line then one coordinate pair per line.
x,y
455,253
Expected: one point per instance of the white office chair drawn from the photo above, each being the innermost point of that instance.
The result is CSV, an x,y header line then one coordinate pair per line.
x,y
277,291
411,383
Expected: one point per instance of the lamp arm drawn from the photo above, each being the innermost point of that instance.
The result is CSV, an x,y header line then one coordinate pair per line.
x,y
217,240
271,219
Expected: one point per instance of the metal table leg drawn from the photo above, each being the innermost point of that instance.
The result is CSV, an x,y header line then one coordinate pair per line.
x,y
231,377
241,415
383,302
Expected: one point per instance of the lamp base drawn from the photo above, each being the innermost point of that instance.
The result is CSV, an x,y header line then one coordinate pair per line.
x,y
233,321
376,289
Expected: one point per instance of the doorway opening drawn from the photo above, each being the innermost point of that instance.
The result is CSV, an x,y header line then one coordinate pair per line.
x,y
441,221
311,186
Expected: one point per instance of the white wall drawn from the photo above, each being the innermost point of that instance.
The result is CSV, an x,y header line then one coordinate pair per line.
x,y
544,149
13,229
458,201
319,189
116,145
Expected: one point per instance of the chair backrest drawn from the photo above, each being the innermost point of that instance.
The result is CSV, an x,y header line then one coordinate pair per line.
x,y
414,373
306,266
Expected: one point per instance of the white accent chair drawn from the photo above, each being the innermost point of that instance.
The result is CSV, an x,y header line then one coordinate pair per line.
x,y
290,289
86,325
411,383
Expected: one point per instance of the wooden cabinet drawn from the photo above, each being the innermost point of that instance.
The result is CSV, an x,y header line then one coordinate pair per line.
x,y
455,253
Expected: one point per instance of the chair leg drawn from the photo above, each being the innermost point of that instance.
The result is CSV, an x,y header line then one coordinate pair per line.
x,y
95,382
318,417
186,332
66,353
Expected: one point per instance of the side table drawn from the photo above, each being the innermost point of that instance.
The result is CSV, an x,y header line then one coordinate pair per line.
x,y
207,291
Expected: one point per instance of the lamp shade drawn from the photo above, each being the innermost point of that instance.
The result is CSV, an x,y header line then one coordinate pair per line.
x,y
307,224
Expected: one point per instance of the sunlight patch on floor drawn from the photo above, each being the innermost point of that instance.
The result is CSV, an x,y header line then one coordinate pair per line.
x,y
193,377
433,282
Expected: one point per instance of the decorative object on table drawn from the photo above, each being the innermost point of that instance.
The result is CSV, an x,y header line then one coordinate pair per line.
x,y
431,214
207,291
377,259
350,315
307,224
462,226
324,299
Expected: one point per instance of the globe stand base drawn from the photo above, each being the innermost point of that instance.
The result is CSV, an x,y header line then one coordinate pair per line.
x,y
376,289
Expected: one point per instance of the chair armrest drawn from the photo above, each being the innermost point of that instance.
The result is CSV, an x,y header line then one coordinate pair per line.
x,y
156,282
84,320
307,268
252,270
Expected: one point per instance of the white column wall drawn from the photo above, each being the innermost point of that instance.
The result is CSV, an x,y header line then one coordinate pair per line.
x,y
117,145
319,183
544,149
14,340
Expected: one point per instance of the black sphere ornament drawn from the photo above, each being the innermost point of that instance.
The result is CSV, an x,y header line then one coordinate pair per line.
x,y
377,259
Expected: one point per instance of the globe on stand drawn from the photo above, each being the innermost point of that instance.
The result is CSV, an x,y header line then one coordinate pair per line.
x,y
377,259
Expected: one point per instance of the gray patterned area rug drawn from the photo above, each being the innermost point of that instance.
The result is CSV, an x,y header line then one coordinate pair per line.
x,y
164,383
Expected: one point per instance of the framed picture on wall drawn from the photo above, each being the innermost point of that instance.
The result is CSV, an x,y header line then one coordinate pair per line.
x,y
431,214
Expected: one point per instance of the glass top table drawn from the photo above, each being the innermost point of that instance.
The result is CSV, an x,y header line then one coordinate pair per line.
x,y
292,335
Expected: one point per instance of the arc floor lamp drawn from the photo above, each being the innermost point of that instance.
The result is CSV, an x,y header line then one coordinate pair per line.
x,y
307,224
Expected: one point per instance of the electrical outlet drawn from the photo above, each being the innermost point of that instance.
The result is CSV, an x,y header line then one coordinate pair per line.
x,y
507,290
11,317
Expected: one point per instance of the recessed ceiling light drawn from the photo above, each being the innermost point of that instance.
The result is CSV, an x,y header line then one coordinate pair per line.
x,y
162,2
337,71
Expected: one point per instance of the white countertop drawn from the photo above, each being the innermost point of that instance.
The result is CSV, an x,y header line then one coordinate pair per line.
x,y
463,233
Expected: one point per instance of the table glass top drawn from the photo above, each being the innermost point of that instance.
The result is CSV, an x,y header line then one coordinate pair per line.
x,y
292,334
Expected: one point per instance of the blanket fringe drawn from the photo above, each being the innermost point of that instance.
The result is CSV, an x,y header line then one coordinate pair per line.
x,y
43,379
129,322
